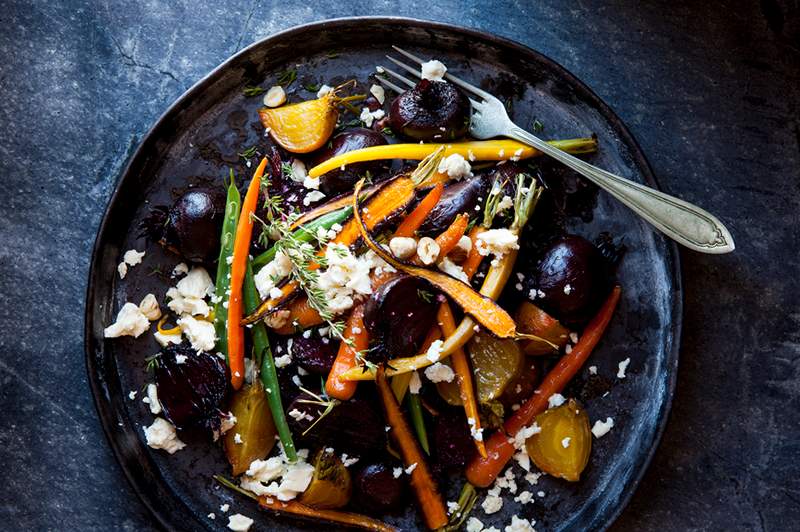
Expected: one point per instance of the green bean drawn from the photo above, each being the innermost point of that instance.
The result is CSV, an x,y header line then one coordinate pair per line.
x,y
307,232
415,410
223,282
262,356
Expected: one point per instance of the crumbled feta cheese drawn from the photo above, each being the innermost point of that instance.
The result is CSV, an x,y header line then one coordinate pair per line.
x,y
325,89
410,469
455,166
201,333
311,182
227,422
524,433
149,307
414,383
568,289
152,399
161,435
601,428
452,507
573,337
470,155
188,296
346,278
313,196
379,93
224,508
300,416
180,359
555,400
397,471
439,373
403,247
133,257
464,245
165,339
266,470
497,242
524,497
130,322
433,70
211,516
434,351
132,395
271,273
520,525
275,96
593,370
180,269
428,250
237,438
347,461
122,270
283,361
474,525
476,433
453,270
239,523
295,480
565,442
533,478
492,504
623,366
506,203
368,117
275,292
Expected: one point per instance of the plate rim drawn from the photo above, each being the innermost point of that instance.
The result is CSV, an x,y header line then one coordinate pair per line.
x,y
109,416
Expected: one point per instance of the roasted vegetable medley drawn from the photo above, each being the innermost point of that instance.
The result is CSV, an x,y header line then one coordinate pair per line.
x,y
384,304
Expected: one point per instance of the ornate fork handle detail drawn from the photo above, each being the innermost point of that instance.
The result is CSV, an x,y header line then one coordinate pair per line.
x,y
685,223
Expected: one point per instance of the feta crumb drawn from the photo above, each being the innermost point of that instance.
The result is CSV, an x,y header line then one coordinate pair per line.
x,y
152,397
224,508
379,93
439,373
410,469
211,516
403,247
313,196
573,337
623,366
133,257
237,438
464,245
565,442
299,172
497,242
201,333
453,270
505,204
397,471
311,183
346,278
348,461
239,523
601,428
180,359
122,270
161,435
271,273
474,525
325,89
427,250
275,96
180,269
283,361
132,395
149,307
188,296
568,289
368,117
470,155
433,70
266,470
455,166
540,494
593,370
130,322
519,525
524,497
492,504
555,400
452,507
434,351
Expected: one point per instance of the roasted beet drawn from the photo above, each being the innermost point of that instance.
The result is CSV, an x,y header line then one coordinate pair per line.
x,y
459,197
398,315
355,426
572,279
191,226
340,180
314,354
452,440
431,110
376,490
191,386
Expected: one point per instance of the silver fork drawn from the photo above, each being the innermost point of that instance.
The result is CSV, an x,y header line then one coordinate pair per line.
x,y
685,223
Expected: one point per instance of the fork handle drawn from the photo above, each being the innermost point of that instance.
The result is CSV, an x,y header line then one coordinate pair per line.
x,y
685,223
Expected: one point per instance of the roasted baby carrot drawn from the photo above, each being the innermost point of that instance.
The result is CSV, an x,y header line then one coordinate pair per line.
x,y
356,340
414,220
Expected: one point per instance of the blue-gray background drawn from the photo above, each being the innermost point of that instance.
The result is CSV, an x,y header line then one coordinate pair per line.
x,y
709,90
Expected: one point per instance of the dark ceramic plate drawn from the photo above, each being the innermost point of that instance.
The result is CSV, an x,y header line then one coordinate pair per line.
x,y
198,138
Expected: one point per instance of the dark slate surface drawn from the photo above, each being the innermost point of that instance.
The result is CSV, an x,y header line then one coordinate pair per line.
x,y
710,91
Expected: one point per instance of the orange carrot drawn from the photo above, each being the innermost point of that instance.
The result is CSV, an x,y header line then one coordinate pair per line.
x,y
301,316
348,519
357,339
241,251
422,481
474,258
414,220
500,447
464,373
449,238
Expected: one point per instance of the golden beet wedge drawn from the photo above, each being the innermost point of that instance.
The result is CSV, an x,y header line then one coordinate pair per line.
x,y
562,447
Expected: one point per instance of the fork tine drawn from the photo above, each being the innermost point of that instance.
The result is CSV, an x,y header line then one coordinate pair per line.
x,y
410,70
398,76
458,81
391,85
